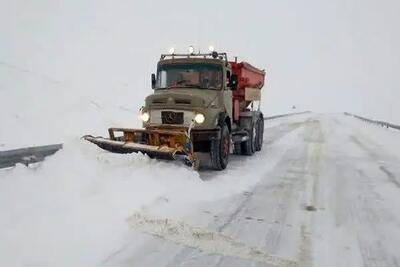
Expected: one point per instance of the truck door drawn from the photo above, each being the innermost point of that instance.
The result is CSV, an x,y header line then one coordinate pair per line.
x,y
227,96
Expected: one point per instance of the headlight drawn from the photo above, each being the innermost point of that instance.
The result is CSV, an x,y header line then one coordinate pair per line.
x,y
145,116
199,118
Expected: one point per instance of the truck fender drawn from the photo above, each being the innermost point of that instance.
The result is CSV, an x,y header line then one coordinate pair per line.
x,y
224,118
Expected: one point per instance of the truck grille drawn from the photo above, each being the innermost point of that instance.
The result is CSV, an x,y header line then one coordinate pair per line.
x,y
170,117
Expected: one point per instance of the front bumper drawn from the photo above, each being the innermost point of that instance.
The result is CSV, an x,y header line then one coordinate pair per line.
x,y
205,135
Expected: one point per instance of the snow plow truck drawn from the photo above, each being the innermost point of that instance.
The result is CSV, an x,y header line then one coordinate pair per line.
x,y
203,108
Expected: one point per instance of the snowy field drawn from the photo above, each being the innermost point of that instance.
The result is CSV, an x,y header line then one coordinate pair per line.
x,y
323,192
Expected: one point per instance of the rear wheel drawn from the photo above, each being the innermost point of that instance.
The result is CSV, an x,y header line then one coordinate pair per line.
x,y
237,149
220,149
259,134
248,147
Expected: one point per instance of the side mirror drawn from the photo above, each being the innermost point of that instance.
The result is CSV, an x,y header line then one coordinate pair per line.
x,y
153,81
233,81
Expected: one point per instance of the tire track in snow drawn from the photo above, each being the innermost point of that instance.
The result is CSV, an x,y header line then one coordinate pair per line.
x,y
366,212
207,241
354,227
236,212
390,176
316,140
272,135
379,159
285,199
293,166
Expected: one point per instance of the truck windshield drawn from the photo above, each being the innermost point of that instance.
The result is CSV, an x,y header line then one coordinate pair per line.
x,y
205,76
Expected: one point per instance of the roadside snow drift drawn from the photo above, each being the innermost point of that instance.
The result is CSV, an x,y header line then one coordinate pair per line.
x,y
71,210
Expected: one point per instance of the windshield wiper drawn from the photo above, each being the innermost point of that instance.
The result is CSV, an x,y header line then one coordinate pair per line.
x,y
201,87
186,86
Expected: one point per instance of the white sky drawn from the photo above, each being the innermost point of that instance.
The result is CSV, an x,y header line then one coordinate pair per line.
x,y
328,56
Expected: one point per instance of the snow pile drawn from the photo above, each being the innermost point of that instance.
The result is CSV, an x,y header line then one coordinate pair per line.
x,y
71,210
68,211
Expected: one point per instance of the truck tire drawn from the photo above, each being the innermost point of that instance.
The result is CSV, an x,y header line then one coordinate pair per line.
x,y
220,149
259,134
248,147
237,150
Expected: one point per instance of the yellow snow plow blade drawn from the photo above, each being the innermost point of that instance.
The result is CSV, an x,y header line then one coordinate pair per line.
x,y
165,144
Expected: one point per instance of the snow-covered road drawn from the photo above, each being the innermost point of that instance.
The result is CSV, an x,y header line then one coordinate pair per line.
x,y
324,191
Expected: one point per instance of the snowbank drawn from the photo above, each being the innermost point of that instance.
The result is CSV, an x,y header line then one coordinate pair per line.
x,y
71,210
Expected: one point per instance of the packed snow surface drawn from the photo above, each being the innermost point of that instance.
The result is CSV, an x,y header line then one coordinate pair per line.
x,y
324,191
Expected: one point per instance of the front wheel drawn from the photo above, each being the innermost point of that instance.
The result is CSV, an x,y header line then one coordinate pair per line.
x,y
220,149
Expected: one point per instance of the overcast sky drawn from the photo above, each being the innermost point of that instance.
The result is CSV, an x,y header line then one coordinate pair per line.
x,y
328,56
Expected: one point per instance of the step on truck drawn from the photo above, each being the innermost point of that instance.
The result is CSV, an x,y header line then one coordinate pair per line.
x,y
202,106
